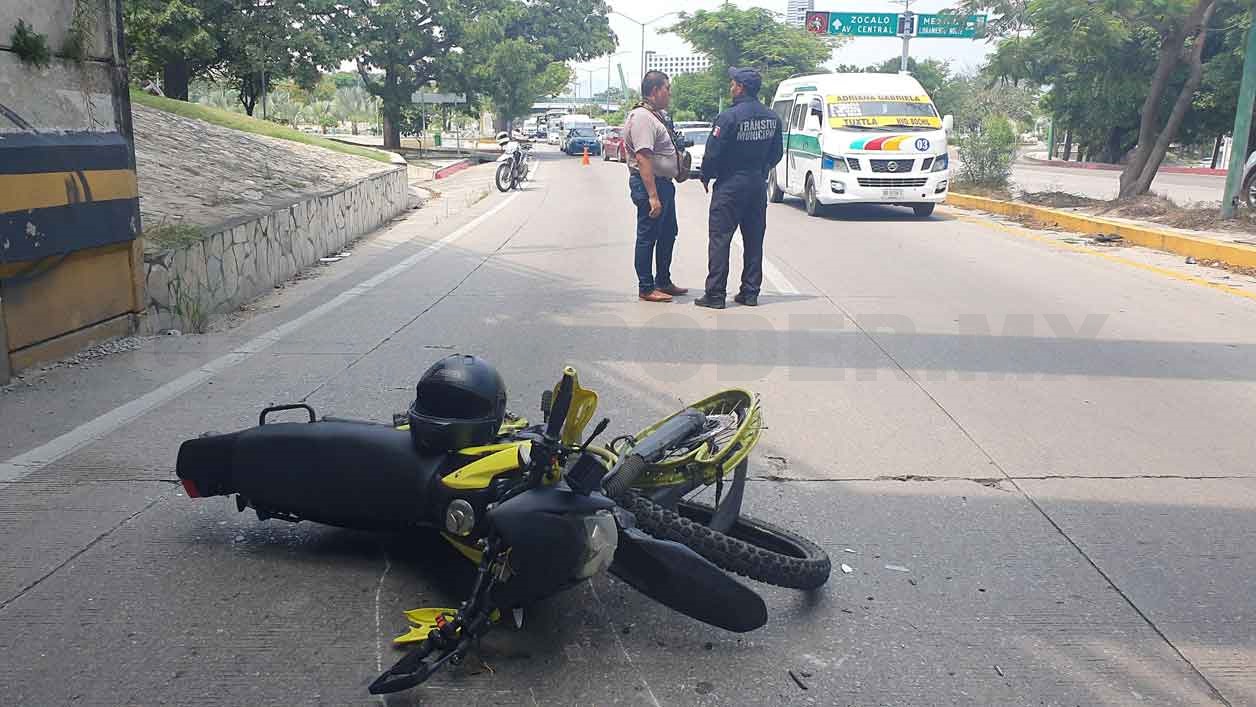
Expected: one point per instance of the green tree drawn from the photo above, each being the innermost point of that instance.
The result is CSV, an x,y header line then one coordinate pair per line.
x,y
755,38
399,46
170,39
699,96
355,105
515,53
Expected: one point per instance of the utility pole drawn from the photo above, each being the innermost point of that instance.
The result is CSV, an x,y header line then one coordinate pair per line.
x,y
905,26
1242,125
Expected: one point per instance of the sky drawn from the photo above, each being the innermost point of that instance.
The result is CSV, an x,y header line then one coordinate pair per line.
x,y
963,54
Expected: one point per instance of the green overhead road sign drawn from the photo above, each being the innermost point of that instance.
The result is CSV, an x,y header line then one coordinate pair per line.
x,y
886,24
853,24
955,26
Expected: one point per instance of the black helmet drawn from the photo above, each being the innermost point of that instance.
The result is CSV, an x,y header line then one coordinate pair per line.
x,y
459,402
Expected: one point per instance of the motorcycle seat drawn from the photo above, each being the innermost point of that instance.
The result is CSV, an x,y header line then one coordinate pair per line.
x,y
335,472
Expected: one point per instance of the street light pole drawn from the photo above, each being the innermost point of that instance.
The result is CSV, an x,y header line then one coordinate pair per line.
x,y
643,26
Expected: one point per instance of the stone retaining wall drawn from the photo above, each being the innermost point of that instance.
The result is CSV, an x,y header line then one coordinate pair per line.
x,y
240,260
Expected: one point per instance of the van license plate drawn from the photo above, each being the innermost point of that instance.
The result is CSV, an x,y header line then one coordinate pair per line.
x,y
891,193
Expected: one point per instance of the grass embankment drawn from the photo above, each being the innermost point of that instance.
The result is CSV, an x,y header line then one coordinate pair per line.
x,y
244,123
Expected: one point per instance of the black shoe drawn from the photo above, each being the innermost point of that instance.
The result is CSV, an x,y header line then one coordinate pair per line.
x,y
748,300
710,302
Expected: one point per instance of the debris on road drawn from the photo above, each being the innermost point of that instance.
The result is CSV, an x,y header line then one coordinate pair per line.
x,y
897,568
999,670
1190,260
847,569
849,550
704,688
798,680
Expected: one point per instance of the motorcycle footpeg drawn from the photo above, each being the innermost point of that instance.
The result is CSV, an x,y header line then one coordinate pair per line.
x,y
411,671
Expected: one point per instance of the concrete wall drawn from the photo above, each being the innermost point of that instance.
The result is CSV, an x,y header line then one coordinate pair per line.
x,y
69,215
237,262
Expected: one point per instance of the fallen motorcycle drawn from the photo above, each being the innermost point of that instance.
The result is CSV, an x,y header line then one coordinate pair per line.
x,y
536,508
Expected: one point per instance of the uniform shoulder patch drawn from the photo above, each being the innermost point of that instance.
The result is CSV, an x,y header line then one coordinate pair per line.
x,y
716,131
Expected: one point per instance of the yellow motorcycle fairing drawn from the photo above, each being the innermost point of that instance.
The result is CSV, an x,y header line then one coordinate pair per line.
x,y
422,621
583,407
499,459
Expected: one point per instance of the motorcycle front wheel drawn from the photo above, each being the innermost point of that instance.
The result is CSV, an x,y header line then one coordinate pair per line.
x,y
505,177
752,548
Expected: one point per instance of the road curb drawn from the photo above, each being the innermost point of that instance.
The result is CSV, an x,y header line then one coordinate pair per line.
x,y
1170,241
453,168
1170,169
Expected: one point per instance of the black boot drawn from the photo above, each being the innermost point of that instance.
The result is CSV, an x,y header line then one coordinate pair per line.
x,y
747,300
710,302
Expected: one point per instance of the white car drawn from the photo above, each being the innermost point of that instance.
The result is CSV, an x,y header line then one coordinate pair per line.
x,y
698,136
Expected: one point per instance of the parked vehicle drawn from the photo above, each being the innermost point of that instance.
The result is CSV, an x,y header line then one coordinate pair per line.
x,y
580,138
860,139
1249,181
535,508
697,138
514,164
613,146
687,124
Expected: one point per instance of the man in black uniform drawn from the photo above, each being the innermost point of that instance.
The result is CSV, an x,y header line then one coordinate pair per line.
x,y
745,144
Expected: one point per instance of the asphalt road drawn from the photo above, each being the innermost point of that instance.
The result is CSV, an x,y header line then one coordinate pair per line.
x,y
1103,184
1034,455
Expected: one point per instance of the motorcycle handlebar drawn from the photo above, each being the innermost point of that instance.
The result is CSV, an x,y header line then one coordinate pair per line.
x,y
561,405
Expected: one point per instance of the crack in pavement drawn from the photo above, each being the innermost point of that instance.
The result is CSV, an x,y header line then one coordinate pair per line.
x,y
994,480
1216,693
23,591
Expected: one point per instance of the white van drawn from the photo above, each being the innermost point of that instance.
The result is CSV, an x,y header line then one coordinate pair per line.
x,y
860,139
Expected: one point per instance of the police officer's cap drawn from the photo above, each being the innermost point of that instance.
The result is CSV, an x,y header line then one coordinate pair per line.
x,y
748,78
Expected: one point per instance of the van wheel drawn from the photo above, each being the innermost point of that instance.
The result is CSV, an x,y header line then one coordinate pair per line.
x,y
813,204
923,210
775,194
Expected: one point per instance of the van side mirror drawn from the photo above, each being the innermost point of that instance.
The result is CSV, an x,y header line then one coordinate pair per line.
x,y
948,122
812,124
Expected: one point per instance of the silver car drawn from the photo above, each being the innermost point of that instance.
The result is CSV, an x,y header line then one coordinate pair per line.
x,y
1248,191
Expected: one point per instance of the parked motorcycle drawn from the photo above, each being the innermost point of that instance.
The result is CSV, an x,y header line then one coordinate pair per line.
x,y
537,508
514,164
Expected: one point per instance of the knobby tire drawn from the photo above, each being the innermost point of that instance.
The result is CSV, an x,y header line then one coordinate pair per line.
x,y
753,548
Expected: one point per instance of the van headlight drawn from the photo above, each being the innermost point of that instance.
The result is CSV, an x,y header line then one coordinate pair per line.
x,y
942,163
837,164
601,541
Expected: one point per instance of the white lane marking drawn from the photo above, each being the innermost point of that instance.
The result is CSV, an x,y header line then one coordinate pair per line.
x,y
772,274
70,442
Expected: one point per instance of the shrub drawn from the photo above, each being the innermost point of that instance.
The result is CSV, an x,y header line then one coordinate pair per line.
x,y
987,153
30,46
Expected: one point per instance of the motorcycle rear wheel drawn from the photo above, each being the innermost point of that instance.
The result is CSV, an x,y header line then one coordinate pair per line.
x,y
752,548
505,177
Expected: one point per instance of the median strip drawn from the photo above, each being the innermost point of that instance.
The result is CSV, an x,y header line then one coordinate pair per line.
x,y
1199,247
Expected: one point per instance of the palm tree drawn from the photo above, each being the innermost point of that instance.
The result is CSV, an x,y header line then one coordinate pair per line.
x,y
356,105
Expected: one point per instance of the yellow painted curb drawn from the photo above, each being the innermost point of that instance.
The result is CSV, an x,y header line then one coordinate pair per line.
x,y
1169,241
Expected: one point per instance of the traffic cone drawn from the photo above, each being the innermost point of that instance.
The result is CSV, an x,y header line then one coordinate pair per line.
x,y
585,159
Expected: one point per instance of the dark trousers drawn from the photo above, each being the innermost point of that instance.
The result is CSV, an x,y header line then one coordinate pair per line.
x,y
739,201
655,236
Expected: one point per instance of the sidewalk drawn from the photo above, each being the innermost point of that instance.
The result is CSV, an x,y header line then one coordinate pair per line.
x,y
1041,159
